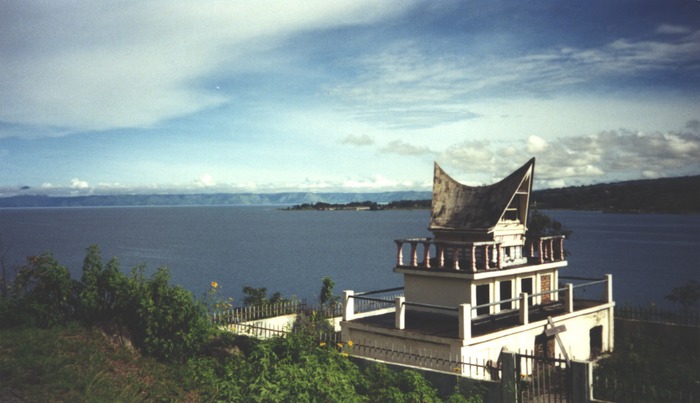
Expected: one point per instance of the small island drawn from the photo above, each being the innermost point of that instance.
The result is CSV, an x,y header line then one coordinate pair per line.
x,y
364,206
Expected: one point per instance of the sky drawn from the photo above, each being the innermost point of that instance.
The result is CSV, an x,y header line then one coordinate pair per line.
x,y
98,97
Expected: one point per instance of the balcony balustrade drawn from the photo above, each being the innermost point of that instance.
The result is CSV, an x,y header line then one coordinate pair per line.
x,y
463,322
428,253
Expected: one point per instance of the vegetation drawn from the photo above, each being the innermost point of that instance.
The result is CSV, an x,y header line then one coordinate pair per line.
x,y
367,205
540,224
652,362
109,336
687,295
666,195
258,296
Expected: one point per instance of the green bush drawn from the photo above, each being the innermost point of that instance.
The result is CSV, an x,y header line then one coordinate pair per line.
x,y
103,290
165,321
42,294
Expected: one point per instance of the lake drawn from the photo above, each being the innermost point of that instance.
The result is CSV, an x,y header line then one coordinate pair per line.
x,y
291,251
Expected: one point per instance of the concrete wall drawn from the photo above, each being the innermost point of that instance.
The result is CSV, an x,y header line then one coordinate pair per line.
x,y
445,291
576,338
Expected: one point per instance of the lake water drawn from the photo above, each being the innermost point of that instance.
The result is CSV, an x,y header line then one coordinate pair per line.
x,y
291,251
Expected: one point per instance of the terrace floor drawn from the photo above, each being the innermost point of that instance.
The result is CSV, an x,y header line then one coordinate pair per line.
x,y
441,325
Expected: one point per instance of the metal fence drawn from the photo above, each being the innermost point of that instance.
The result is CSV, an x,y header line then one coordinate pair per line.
x,y
257,312
425,359
543,379
616,391
264,331
652,314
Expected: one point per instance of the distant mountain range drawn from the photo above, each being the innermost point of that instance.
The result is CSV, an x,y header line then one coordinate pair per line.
x,y
675,195
215,199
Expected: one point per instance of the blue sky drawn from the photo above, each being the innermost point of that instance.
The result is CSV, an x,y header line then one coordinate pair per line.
x,y
269,96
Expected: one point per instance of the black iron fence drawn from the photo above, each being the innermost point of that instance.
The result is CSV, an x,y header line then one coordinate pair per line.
x,y
652,314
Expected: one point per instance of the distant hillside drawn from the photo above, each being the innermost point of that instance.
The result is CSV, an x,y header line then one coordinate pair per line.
x,y
219,199
666,195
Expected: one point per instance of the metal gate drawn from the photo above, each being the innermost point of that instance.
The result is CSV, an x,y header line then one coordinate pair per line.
x,y
543,379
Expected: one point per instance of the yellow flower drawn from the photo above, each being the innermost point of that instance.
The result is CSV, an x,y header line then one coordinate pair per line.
x,y
322,344
344,354
350,343
458,369
214,284
340,345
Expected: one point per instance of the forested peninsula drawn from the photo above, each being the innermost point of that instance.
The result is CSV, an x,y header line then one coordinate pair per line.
x,y
666,195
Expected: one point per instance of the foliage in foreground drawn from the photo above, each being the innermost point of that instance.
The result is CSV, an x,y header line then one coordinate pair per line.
x,y
56,344
164,321
76,363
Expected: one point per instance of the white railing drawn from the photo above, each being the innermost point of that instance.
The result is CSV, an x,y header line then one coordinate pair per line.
x,y
428,253
466,313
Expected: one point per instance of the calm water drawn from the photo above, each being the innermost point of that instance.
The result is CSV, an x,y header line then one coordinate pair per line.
x,y
291,251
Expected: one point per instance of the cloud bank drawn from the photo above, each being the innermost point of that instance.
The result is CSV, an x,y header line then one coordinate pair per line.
x,y
92,65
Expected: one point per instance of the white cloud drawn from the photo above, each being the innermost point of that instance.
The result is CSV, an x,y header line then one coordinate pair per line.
x,y
78,184
95,66
408,85
205,180
673,29
536,144
605,156
403,148
358,140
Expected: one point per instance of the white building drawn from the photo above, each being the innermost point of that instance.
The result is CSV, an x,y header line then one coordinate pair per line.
x,y
479,286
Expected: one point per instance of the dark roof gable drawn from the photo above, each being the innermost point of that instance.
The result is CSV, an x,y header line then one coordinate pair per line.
x,y
460,207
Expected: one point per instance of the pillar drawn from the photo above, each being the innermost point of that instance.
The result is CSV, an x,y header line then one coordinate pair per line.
x,y
561,248
473,258
569,297
414,253
608,289
426,254
487,257
399,253
465,321
524,319
499,252
400,316
349,301
509,377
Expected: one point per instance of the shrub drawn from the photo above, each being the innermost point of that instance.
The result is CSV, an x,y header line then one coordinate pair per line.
x,y
43,293
103,290
165,321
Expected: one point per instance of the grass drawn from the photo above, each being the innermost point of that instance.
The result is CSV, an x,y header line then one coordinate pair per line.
x,y
74,363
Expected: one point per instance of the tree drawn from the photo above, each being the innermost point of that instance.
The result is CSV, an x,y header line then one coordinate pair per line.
x,y
258,296
326,296
540,224
44,291
686,295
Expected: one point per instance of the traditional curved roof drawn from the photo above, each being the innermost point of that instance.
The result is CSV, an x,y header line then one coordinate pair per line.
x,y
460,207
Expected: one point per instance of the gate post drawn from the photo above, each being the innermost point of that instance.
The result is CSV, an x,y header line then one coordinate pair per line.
x,y
581,381
509,377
